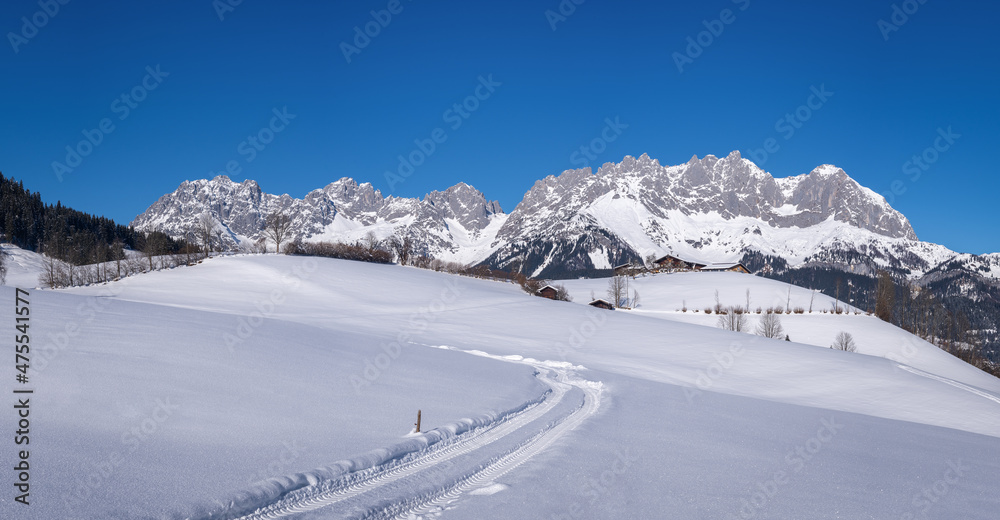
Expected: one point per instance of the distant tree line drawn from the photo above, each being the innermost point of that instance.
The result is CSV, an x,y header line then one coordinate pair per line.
x,y
66,234
919,311
954,322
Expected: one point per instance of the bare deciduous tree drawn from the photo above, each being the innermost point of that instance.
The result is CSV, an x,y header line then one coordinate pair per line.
x,y
402,246
277,228
562,294
769,326
52,276
118,255
845,342
205,231
616,291
155,244
371,241
734,320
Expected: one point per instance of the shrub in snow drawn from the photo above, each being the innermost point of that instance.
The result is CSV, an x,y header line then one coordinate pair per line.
x,y
845,342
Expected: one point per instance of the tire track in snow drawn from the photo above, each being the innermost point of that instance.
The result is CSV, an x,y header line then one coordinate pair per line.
x,y
326,493
951,382
433,505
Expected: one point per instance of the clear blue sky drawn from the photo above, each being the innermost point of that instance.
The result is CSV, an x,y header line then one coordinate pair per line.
x,y
939,69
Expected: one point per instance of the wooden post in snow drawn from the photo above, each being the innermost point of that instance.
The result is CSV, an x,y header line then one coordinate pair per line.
x,y
418,422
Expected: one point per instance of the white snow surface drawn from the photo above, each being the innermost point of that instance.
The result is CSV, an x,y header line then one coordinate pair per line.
x,y
23,266
288,385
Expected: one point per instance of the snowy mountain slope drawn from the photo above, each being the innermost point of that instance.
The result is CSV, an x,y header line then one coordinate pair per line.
x,y
23,266
457,223
665,295
691,418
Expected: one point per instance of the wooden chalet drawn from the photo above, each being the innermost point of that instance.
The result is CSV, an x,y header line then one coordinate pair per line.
x,y
548,292
602,304
674,262
735,267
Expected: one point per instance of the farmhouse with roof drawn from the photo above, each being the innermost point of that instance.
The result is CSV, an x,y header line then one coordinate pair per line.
x,y
674,262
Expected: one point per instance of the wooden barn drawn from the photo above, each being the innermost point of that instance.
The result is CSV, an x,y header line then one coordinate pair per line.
x,y
602,304
548,292
735,267
674,262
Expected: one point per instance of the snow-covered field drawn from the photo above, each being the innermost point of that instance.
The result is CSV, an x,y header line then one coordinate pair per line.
x,y
290,384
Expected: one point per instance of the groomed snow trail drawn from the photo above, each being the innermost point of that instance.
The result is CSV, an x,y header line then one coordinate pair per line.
x,y
481,455
951,382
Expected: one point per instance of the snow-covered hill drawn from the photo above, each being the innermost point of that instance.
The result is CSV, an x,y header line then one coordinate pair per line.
x,y
289,384
23,266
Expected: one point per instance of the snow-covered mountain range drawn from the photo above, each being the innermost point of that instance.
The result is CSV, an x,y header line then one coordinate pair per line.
x,y
714,209
455,224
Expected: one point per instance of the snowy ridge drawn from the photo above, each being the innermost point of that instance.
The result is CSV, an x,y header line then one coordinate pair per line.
x,y
458,223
